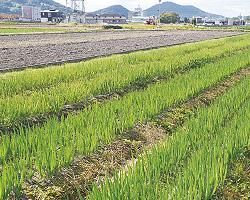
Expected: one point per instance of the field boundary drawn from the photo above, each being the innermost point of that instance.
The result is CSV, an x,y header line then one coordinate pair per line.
x,y
59,63
113,30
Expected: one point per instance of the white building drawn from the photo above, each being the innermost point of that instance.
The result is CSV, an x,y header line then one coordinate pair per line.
x,y
200,20
139,19
137,15
31,13
218,23
54,16
76,17
138,11
230,22
89,18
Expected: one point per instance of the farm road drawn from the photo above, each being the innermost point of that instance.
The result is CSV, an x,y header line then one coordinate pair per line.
x,y
21,51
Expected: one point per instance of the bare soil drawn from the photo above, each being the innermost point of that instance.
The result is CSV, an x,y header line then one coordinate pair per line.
x,y
18,52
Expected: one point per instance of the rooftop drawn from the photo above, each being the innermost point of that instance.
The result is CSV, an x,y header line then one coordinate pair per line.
x,y
51,11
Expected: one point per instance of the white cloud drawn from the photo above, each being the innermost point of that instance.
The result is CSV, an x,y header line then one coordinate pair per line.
x,y
223,7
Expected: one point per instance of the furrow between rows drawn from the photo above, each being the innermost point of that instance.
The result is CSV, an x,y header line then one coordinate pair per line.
x,y
153,175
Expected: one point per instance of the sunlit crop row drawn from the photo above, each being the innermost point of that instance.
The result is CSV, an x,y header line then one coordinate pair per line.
x,y
34,79
48,148
193,162
104,77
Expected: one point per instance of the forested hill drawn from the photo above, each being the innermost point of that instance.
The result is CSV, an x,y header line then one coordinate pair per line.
x,y
14,6
183,10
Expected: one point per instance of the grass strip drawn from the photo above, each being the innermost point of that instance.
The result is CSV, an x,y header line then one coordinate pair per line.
x,y
36,106
137,26
151,177
80,176
24,153
14,30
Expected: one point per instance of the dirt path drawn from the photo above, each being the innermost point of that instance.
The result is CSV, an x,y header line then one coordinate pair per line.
x,y
21,51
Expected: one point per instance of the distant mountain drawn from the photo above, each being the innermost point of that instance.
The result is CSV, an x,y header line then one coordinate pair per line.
x,y
14,6
182,10
116,9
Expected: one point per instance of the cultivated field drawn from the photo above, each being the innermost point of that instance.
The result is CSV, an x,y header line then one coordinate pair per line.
x,y
167,123
21,51
9,28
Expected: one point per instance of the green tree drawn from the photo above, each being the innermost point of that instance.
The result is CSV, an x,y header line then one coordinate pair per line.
x,y
247,18
168,18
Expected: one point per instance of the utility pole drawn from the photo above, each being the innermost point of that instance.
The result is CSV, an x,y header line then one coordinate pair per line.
x,y
159,11
76,5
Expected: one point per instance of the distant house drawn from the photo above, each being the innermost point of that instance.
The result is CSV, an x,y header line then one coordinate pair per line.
x,y
113,19
75,17
54,16
199,20
138,19
219,22
214,22
31,13
105,18
209,23
136,15
93,19
90,18
235,22
9,17
230,22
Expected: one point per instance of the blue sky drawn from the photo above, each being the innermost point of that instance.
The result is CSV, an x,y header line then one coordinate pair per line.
x,y
224,7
